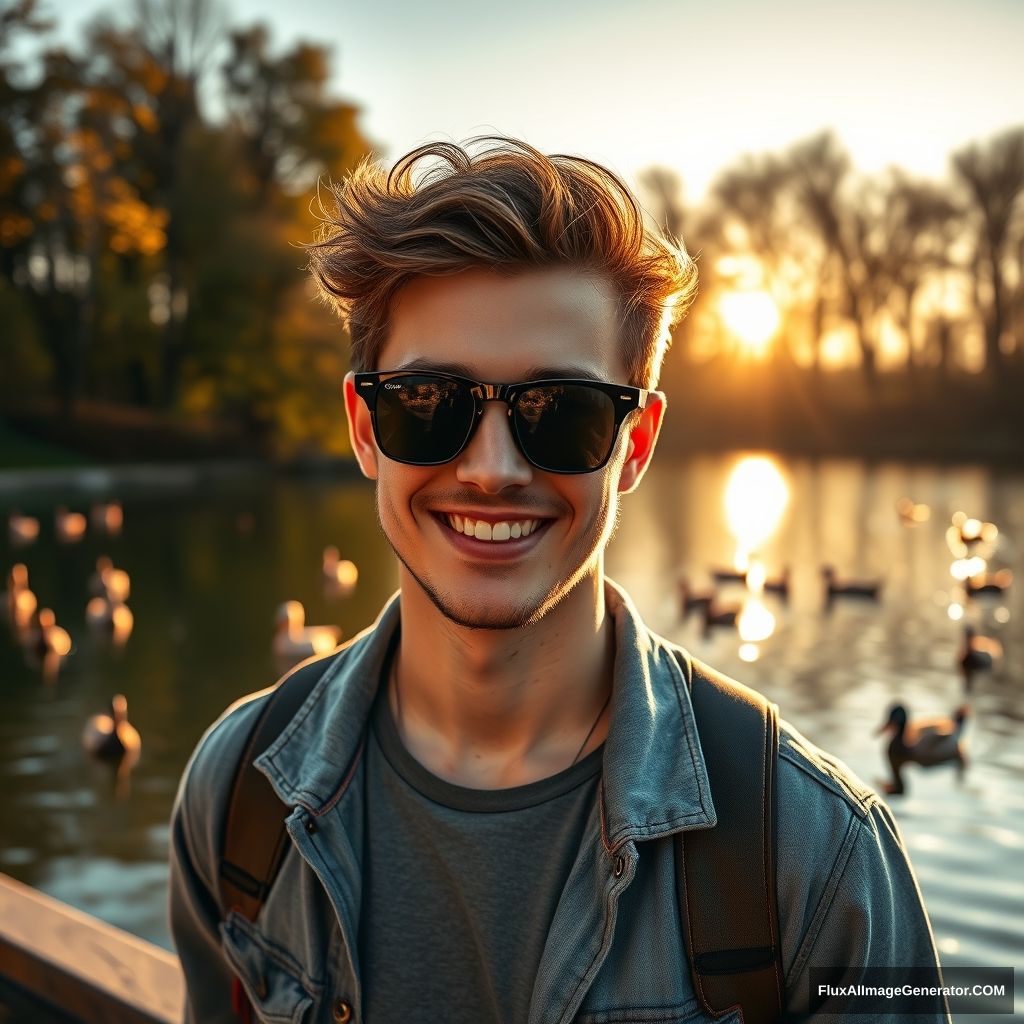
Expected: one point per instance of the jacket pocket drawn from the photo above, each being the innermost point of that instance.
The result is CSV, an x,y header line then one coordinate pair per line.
x,y
275,983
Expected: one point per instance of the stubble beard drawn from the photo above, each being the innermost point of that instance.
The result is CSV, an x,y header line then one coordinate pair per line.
x,y
589,546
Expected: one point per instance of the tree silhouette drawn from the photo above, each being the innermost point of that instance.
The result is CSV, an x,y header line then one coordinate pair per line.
x,y
992,174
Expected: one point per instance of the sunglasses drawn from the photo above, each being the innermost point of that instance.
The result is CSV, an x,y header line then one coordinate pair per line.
x,y
423,418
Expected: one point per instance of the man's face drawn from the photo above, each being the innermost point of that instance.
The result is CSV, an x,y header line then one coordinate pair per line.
x,y
502,329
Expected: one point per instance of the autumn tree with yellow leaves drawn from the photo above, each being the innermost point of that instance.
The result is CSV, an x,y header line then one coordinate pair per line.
x,y
147,249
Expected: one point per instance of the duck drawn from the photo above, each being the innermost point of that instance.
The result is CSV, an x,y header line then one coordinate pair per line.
x,y
110,582
42,636
17,585
997,582
69,526
97,588
693,600
24,610
107,517
867,590
758,583
106,613
294,640
22,530
111,736
779,586
722,575
927,742
973,531
978,653
720,615
340,574
912,513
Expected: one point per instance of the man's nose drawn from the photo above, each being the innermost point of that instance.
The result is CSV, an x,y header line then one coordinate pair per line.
x,y
491,460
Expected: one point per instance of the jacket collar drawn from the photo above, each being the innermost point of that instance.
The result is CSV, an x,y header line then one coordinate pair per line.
x,y
654,780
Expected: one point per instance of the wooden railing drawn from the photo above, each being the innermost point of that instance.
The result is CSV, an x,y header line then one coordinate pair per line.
x,y
61,958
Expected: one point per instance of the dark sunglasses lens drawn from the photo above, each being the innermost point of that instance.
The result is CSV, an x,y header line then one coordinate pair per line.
x,y
567,428
423,419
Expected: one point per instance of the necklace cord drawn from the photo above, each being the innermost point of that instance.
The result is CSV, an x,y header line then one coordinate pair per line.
x,y
583,745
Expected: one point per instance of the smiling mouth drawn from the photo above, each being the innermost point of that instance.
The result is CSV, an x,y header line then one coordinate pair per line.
x,y
495,533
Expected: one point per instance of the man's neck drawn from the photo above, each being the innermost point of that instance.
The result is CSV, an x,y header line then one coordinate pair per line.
x,y
493,708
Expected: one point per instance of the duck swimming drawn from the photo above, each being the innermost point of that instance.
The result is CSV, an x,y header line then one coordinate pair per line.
x,y
107,517
867,590
21,529
997,582
294,640
720,615
20,602
340,574
112,737
109,582
927,742
977,654
108,615
69,526
693,600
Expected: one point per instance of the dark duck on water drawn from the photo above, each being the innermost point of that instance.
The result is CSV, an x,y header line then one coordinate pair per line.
x,y
977,654
927,742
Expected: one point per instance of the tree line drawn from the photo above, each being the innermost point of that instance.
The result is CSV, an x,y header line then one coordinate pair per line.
x,y
156,175
922,281
154,179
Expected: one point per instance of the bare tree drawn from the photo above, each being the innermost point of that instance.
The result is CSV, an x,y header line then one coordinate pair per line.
x,y
919,221
756,195
992,174
663,188
820,170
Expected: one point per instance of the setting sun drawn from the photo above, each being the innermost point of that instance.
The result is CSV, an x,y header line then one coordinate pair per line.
x,y
752,317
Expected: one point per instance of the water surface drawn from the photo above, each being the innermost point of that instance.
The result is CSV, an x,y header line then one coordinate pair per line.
x,y
209,569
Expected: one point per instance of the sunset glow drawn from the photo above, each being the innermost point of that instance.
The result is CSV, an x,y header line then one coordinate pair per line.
x,y
756,497
752,317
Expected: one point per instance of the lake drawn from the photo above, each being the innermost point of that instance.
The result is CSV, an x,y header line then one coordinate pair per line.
x,y
209,566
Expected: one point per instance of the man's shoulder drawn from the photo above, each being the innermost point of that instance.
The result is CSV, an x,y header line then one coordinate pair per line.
x,y
219,749
206,783
806,768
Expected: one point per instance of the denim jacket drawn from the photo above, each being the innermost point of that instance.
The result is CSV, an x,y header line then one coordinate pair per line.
x,y
848,898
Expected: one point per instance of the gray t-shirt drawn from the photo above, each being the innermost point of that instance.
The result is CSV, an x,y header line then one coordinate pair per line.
x,y
460,885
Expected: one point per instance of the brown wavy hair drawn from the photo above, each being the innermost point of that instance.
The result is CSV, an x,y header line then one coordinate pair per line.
x,y
495,203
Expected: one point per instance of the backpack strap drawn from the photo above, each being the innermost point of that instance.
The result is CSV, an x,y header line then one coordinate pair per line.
x,y
726,875
255,839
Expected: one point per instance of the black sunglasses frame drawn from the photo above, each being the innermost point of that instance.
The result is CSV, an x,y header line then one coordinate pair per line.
x,y
625,399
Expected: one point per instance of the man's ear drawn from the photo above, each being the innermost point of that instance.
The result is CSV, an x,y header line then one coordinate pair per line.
x,y
360,429
644,428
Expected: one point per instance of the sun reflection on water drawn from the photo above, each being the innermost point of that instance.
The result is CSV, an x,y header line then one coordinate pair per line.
x,y
756,498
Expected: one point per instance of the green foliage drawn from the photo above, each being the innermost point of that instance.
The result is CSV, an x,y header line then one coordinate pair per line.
x,y
147,249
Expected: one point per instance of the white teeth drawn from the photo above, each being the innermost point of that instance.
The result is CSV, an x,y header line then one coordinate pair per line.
x,y
502,531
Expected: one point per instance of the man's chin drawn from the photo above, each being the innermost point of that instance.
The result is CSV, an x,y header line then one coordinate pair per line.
x,y
469,615
499,610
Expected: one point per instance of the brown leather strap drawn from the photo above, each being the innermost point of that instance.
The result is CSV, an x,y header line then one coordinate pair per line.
x,y
255,839
726,875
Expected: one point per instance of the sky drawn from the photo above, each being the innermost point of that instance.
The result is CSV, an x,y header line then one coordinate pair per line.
x,y
680,83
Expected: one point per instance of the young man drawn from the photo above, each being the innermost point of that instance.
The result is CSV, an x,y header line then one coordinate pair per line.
x,y
488,786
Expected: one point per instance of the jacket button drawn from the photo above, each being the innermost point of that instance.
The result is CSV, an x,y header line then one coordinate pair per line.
x,y
260,988
620,865
310,826
342,1013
